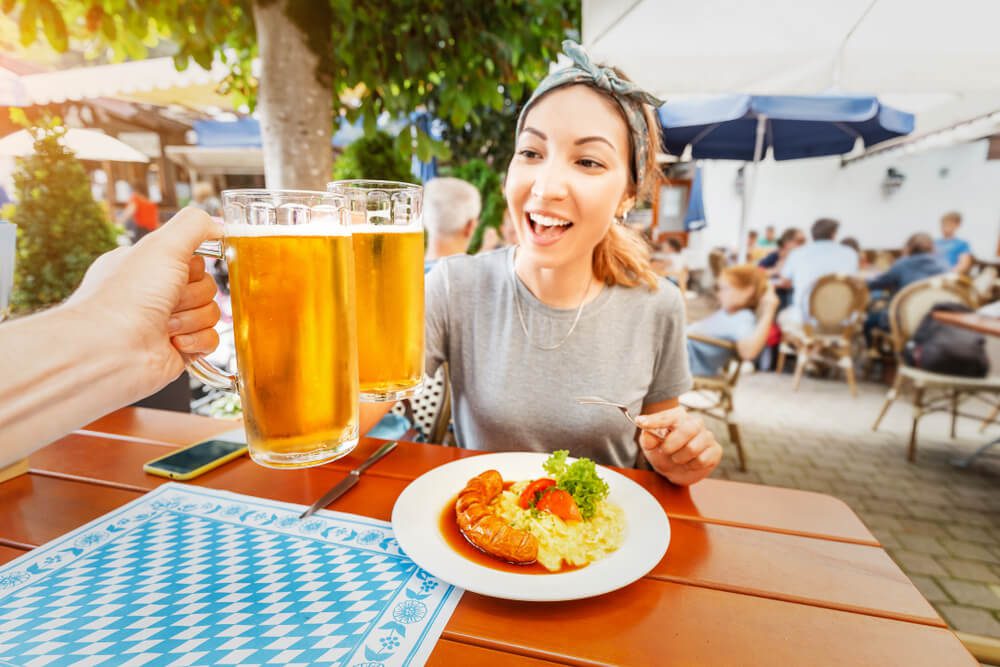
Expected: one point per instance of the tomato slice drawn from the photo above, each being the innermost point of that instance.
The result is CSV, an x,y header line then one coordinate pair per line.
x,y
560,503
530,493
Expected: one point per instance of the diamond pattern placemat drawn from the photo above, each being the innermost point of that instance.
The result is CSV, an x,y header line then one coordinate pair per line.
x,y
192,576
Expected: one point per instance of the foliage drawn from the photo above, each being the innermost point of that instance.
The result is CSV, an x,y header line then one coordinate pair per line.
x,y
491,138
487,181
373,156
460,58
61,229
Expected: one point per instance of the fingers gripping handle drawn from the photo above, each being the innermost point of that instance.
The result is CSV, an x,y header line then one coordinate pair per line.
x,y
197,364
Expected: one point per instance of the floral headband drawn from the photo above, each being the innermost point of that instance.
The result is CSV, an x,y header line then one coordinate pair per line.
x,y
629,97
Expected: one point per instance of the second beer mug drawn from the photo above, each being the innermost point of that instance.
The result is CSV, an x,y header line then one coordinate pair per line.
x,y
388,241
292,284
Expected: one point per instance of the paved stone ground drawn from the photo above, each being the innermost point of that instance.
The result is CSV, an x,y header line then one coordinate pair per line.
x,y
940,523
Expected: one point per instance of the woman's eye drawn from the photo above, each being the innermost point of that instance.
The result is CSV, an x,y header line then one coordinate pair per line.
x,y
589,164
529,153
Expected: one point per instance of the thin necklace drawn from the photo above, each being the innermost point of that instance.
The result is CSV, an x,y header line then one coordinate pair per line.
x,y
520,315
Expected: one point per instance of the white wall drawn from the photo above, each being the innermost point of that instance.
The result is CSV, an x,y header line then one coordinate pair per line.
x,y
796,192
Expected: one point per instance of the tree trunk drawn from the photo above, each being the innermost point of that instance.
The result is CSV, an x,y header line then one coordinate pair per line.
x,y
295,109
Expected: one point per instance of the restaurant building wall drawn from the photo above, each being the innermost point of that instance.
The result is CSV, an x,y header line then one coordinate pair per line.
x,y
795,193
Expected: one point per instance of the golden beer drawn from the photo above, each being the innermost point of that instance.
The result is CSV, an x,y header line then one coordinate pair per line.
x,y
293,315
389,282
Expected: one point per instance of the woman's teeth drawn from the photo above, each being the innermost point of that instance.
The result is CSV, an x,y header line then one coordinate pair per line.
x,y
546,221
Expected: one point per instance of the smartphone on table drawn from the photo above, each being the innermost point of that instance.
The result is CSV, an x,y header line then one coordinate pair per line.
x,y
197,459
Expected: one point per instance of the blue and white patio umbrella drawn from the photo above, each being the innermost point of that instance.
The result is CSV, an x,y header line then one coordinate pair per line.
x,y
745,127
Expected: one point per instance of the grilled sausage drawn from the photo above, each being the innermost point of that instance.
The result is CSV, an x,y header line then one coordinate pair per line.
x,y
487,531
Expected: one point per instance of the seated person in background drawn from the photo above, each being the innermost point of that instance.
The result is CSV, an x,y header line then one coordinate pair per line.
x,y
671,264
789,240
769,240
748,305
203,196
805,265
852,243
451,213
955,251
772,264
917,263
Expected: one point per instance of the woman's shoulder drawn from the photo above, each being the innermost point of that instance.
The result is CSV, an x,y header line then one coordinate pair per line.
x,y
487,265
666,298
471,274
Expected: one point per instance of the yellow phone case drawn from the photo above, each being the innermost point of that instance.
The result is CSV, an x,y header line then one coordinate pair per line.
x,y
211,465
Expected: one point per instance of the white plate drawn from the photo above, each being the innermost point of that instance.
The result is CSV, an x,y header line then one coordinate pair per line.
x,y
416,523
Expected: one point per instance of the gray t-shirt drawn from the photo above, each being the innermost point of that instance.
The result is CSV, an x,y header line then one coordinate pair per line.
x,y
508,395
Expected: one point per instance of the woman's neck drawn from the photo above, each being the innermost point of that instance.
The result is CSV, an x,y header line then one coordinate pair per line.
x,y
560,287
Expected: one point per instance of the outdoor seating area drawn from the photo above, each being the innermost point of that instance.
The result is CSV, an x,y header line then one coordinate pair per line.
x,y
388,335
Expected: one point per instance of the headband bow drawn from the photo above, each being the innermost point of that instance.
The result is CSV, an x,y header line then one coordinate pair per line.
x,y
629,97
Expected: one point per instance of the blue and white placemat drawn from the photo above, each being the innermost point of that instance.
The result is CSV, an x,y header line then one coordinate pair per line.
x,y
193,576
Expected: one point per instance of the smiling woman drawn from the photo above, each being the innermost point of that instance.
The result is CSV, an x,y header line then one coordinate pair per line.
x,y
574,309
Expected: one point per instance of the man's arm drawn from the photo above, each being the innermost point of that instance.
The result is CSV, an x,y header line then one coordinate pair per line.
x,y
122,335
61,370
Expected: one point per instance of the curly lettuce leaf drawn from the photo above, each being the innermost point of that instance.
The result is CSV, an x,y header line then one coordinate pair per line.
x,y
579,479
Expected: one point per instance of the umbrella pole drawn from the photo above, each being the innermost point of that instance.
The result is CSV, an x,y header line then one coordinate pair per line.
x,y
749,184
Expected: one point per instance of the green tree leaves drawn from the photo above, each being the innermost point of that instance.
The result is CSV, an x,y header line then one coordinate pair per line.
x,y
461,59
61,229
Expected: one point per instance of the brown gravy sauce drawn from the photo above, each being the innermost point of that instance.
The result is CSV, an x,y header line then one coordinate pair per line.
x,y
456,540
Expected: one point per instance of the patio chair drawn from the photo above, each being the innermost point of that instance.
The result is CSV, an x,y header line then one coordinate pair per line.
x,y
429,412
932,392
836,313
713,396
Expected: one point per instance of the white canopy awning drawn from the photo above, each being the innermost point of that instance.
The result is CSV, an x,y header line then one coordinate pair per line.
x,y
85,144
249,161
153,81
938,60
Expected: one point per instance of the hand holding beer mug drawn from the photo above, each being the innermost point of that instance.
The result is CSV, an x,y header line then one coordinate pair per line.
x,y
388,241
292,286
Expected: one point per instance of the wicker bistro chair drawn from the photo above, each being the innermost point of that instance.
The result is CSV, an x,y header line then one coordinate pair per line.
x,y
837,306
713,396
932,392
429,412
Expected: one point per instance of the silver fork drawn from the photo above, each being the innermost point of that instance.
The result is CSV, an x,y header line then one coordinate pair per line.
x,y
597,400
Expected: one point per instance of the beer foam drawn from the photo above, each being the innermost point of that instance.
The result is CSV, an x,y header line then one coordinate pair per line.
x,y
387,229
310,229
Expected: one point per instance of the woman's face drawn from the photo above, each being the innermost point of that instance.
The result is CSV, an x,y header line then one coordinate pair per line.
x,y
731,297
569,176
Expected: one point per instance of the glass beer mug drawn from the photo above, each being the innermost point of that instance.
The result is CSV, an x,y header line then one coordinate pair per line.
x,y
388,240
291,281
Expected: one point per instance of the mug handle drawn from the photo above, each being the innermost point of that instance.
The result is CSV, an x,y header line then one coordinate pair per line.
x,y
197,364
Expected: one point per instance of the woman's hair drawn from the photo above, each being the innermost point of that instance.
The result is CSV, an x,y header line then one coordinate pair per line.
x,y
139,187
747,275
622,256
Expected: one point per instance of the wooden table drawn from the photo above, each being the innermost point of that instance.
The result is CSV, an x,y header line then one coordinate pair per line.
x,y
754,575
